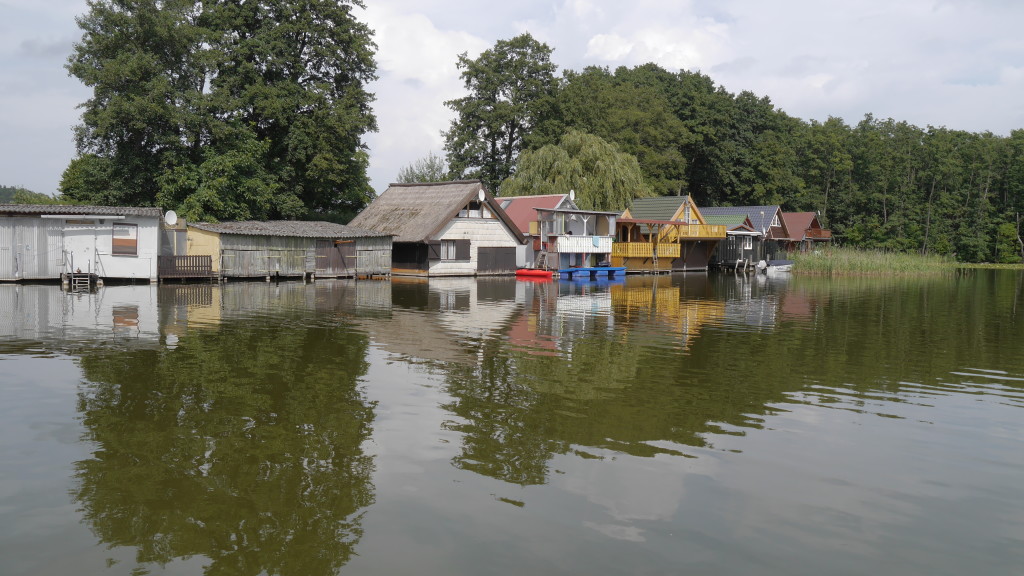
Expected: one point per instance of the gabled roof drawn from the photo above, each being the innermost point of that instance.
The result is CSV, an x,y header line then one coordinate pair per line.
x,y
522,209
760,216
290,228
418,212
661,208
797,222
732,222
77,210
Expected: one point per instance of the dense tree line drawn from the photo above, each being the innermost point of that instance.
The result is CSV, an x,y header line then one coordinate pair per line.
x,y
21,195
878,184
224,110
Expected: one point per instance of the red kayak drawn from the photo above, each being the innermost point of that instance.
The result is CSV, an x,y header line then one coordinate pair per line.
x,y
533,273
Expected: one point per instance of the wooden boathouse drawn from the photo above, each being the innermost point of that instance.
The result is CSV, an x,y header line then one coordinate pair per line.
x,y
664,234
284,248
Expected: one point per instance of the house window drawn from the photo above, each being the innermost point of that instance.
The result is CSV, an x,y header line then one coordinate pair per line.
x,y
447,249
775,220
748,243
125,239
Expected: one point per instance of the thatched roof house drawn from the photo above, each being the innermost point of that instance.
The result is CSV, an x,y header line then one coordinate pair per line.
x,y
444,228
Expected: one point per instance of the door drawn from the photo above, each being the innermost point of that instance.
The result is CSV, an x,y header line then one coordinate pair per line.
x,y
496,259
80,247
8,271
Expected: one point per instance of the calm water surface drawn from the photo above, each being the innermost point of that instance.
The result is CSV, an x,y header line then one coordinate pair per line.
x,y
698,424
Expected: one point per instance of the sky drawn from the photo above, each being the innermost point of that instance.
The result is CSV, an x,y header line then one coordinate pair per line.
x,y
952,63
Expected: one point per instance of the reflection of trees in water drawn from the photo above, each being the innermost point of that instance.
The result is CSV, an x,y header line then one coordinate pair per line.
x,y
243,444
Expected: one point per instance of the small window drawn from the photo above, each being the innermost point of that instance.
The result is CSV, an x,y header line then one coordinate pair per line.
x,y
447,249
775,220
748,243
125,240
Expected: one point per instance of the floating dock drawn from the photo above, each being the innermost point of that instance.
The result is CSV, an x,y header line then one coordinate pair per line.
x,y
591,273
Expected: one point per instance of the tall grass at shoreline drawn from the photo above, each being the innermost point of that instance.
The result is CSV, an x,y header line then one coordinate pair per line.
x,y
853,262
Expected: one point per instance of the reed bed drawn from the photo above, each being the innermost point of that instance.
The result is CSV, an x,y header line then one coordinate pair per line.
x,y
855,262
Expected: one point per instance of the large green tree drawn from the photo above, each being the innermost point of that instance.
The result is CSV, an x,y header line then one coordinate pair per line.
x,y
511,89
603,177
224,110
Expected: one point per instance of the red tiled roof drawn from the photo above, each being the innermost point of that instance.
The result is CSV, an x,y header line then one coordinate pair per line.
x,y
522,209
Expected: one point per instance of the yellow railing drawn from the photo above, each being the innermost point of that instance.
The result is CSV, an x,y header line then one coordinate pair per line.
x,y
644,250
694,231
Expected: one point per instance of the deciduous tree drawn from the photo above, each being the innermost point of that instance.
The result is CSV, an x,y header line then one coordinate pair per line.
x,y
511,87
224,109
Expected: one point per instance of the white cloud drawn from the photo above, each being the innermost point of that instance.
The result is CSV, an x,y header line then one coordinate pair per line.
x,y
416,66
609,47
958,63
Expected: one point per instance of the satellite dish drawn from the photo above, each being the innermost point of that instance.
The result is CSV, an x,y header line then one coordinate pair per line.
x,y
480,195
170,218
572,195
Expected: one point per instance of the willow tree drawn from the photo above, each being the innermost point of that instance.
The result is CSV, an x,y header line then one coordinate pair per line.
x,y
224,109
603,177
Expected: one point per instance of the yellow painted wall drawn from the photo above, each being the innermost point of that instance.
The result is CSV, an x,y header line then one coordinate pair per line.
x,y
204,243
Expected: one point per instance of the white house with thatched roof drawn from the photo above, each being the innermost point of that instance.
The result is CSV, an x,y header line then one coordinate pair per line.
x,y
445,229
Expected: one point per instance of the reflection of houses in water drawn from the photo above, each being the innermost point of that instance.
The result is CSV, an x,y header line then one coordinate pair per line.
x,y
444,319
194,305
657,301
557,313
750,303
45,313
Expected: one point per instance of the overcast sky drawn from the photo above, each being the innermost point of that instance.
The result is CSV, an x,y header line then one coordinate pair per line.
x,y
952,63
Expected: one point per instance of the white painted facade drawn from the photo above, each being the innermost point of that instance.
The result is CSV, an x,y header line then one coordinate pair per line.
x,y
42,247
481,232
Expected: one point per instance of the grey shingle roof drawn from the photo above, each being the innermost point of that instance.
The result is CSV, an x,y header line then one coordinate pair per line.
x,y
75,210
417,212
292,228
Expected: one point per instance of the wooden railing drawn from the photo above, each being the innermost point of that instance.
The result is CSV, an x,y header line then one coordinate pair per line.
x,y
695,231
185,267
817,234
569,244
645,250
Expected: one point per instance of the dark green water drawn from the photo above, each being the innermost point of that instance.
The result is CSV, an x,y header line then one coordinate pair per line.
x,y
699,424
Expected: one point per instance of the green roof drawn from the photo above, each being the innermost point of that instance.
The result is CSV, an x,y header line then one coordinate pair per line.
x,y
730,221
661,208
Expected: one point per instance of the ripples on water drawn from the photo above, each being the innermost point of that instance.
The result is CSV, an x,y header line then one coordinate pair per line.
x,y
709,423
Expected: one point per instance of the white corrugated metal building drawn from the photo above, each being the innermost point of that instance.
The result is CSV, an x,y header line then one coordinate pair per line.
x,y
41,242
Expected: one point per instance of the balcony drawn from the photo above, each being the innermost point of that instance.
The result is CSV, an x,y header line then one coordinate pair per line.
x,y
569,244
645,250
696,231
817,234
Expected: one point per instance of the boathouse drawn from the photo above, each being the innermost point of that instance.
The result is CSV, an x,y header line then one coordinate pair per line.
x,y
289,248
522,210
804,232
559,235
445,229
48,241
664,234
742,242
767,222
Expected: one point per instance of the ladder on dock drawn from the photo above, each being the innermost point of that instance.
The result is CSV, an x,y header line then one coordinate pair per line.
x,y
80,282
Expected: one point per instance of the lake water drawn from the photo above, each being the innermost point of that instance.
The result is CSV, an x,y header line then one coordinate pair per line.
x,y
685,424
